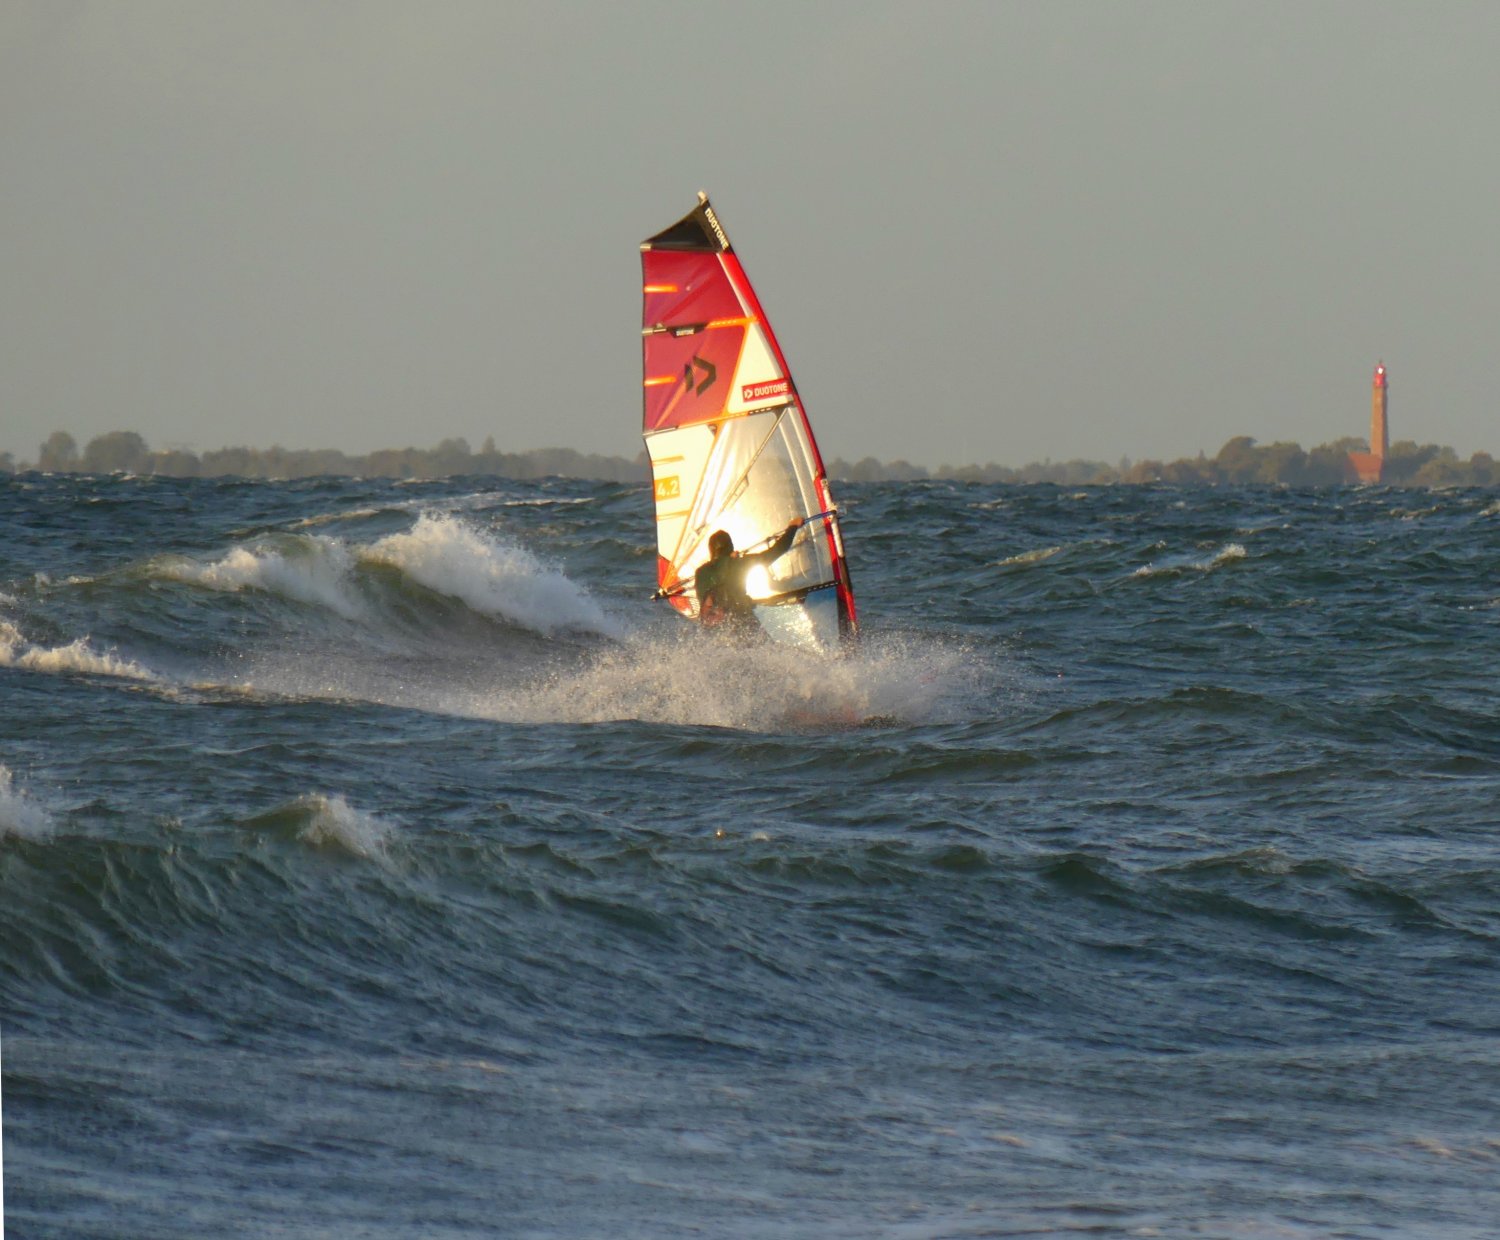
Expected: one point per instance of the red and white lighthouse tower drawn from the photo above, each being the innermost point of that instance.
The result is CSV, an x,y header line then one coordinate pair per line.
x,y
1368,466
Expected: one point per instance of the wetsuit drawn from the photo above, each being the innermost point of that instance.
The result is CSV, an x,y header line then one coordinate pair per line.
x,y
720,585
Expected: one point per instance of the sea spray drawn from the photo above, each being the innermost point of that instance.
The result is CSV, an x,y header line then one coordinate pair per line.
x,y
672,673
20,815
689,677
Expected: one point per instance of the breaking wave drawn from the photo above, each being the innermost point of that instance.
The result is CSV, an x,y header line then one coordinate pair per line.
x,y
315,571
76,657
494,578
440,553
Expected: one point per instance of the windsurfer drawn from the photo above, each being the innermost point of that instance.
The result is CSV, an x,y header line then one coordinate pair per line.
x,y
723,601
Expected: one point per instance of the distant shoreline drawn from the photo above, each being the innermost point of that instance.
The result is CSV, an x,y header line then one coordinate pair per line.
x,y
1241,460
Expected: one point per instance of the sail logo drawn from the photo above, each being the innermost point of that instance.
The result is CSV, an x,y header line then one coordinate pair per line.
x,y
709,371
764,391
668,488
708,214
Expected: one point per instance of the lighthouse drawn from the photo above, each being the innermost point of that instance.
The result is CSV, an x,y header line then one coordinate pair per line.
x,y
1368,466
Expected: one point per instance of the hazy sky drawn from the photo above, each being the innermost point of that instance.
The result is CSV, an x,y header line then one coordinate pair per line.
x,y
984,232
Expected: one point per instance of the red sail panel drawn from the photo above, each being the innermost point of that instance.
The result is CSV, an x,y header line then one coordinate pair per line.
x,y
685,290
687,378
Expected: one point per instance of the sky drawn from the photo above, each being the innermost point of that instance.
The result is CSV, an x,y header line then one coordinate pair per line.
x,y
987,232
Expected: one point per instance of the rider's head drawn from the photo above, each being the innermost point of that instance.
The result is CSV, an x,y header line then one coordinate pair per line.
x,y
719,543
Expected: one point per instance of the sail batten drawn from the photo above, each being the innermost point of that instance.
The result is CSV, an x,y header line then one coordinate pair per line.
x,y
727,434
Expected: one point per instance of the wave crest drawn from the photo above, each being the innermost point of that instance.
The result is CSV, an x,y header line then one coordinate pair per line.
x,y
312,570
1175,567
328,823
1034,556
491,577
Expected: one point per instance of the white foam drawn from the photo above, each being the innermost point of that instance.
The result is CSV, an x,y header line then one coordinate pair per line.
x,y
317,573
75,657
21,816
334,823
490,576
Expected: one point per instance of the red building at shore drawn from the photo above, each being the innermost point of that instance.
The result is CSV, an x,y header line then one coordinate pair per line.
x,y
1368,466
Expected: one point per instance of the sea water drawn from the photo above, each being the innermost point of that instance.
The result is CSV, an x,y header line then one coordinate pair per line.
x,y
376,859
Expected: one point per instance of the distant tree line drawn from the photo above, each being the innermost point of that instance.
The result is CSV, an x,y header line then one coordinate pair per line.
x,y
1241,460
127,452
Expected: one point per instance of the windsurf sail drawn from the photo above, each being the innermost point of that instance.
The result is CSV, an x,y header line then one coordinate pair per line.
x,y
729,441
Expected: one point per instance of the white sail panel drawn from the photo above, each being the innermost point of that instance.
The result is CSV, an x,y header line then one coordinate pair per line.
x,y
745,476
758,378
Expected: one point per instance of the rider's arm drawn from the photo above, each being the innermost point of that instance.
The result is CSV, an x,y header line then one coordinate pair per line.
x,y
781,546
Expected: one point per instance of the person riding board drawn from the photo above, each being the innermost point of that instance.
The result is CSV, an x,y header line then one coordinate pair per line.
x,y
720,583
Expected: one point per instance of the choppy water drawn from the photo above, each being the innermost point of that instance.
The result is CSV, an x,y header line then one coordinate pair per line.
x,y
376,860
